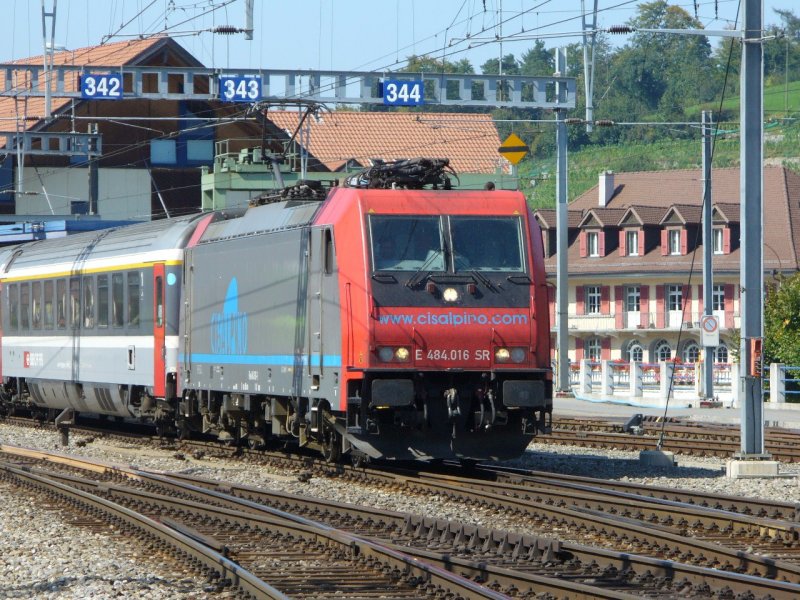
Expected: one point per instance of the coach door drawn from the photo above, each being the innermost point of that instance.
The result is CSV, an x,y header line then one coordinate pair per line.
x,y
159,328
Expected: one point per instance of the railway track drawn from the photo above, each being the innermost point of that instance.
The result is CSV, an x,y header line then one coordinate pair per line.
x,y
262,554
680,437
513,563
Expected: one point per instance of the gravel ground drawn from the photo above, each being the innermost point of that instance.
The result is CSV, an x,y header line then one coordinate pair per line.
x,y
46,557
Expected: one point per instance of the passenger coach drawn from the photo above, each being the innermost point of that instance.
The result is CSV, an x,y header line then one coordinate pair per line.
x,y
90,322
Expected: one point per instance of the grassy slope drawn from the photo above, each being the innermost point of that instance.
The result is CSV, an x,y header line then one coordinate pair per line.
x,y
782,144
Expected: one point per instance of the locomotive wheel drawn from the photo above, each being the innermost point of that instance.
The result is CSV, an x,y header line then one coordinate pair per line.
x,y
358,459
331,443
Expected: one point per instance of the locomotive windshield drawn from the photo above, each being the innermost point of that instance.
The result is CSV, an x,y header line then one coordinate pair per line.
x,y
416,243
406,243
487,244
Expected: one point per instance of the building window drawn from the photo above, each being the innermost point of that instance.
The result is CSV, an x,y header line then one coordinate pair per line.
x,y
674,236
691,353
718,241
635,352
592,299
721,354
674,297
632,243
592,348
593,243
718,298
632,298
662,351
163,152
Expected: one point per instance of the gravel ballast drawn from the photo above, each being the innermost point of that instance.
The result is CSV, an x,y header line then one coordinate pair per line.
x,y
43,555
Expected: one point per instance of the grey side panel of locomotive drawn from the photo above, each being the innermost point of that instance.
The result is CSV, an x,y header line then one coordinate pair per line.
x,y
262,307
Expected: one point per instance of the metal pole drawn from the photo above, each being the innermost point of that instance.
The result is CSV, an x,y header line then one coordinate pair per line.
x,y
248,19
48,54
708,253
562,285
589,39
752,227
93,176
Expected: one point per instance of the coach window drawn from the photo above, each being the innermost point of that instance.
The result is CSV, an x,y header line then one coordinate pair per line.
x,y
49,316
88,302
102,300
117,299
36,304
24,305
134,285
159,302
13,306
75,302
61,303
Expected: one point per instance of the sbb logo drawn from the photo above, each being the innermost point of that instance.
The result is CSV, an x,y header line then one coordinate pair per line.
x,y
32,359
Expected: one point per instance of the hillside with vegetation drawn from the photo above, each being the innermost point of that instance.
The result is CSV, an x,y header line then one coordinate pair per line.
x,y
653,87
538,181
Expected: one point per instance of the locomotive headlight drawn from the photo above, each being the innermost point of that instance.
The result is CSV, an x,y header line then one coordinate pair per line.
x,y
385,353
402,354
502,355
450,295
518,354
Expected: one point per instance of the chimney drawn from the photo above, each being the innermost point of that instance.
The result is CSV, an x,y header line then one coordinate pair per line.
x,y
606,188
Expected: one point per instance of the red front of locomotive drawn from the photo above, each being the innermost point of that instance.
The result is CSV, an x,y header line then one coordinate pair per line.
x,y
451,357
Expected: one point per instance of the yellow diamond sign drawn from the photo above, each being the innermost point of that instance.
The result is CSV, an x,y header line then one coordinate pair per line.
x,y
513,149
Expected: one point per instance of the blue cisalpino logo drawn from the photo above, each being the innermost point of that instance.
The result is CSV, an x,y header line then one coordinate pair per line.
x,y
229,327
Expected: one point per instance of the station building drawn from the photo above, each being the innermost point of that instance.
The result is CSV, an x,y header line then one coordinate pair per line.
x,y
636,254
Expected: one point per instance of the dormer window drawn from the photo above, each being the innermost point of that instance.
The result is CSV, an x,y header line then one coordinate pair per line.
x,y
593,243
632,242
674,239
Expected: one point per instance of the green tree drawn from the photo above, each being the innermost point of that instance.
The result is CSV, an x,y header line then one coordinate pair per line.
x,y
782,321
537,61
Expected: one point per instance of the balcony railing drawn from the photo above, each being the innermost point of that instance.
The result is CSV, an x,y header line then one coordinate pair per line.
x,y
633,321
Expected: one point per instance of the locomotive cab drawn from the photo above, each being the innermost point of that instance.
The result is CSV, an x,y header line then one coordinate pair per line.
x,y
457,336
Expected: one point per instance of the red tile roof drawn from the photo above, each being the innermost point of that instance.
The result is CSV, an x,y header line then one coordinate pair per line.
x,y
605,217
114,54
686,213
657,191
470,141
547,218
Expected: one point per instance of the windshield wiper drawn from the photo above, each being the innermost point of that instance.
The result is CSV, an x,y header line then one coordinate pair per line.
x,y
483,279
412,281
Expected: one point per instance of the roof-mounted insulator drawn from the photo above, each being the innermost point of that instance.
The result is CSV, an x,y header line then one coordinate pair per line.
x,y
621,29
604,123
227,30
